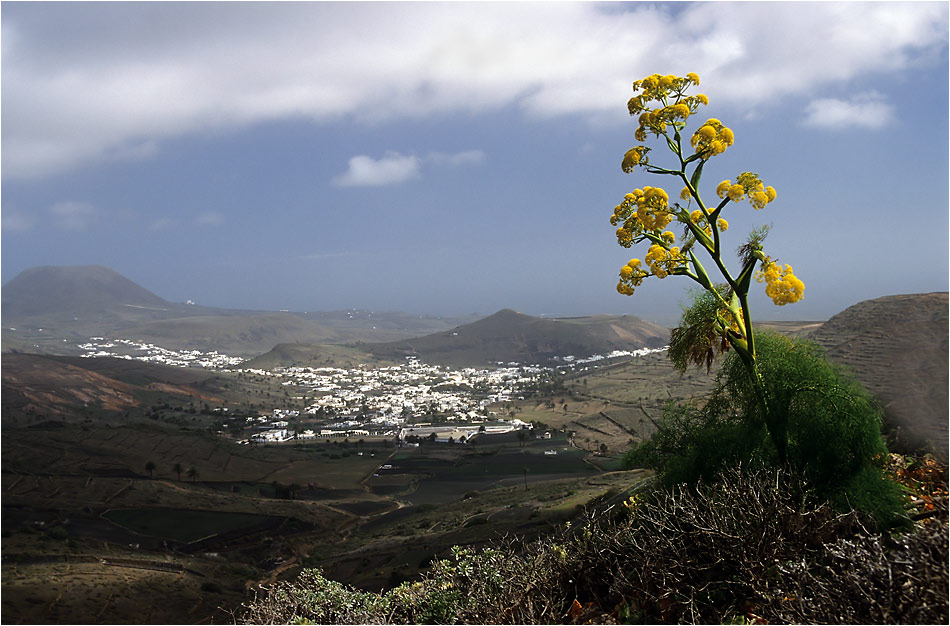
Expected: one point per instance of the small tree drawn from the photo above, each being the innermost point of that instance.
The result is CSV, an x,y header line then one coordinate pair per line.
x,y
192,473
721,319
149,467
178,469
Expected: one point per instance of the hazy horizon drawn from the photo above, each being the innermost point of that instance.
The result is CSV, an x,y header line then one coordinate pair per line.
x,y
458,158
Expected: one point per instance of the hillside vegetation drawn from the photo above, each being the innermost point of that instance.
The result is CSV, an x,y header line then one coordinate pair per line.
x,y
753,548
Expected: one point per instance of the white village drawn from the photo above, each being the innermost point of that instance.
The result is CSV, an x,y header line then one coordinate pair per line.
x,y
405,402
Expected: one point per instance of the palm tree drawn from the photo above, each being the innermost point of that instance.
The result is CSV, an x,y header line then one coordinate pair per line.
x,y
149,467
177,468
192,473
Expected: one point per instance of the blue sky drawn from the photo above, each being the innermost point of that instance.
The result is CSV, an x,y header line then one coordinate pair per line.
x,y
458,158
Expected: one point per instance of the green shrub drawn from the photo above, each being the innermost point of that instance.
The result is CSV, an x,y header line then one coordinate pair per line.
x,y
315,599
832,425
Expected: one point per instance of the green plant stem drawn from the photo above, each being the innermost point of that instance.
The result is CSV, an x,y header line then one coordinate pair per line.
x,y
747,351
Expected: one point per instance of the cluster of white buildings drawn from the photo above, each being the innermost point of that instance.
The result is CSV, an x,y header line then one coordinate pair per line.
x,y
142,351
573,361
382,398
364,401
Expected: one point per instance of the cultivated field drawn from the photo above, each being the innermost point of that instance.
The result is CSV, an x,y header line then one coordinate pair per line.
x,y
96,518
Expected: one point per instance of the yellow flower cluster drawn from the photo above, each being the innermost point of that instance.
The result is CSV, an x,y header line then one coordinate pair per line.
x,y
668,91
712,138
781,284
634,157
747,183
699,218
663,262
642,210
630,276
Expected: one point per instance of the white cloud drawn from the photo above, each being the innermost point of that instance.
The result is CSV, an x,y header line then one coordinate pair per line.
x,y
365,171
209,218
867,110
90,81
73,215
395,168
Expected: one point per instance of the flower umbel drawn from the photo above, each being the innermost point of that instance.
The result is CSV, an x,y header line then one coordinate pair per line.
x,y
781,284
747,184
630,276
712,138
643,210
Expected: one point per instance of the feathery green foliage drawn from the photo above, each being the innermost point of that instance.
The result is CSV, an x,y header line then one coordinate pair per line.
x,y
698,340
832,426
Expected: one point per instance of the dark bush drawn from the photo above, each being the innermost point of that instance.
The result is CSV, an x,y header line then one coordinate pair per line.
x,y
211,587
752,548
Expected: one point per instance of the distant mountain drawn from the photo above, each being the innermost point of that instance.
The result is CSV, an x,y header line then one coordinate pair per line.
x,y
897,347
511,336
74,290
44,306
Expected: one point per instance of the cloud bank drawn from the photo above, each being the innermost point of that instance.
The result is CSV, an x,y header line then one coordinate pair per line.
x,y
83,82
868,110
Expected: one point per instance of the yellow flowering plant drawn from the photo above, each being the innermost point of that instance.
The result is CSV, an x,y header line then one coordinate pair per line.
x,y
663,109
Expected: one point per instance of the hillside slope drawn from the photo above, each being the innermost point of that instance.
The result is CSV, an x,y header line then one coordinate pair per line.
x,y
897,347
511,336
39,388
239,335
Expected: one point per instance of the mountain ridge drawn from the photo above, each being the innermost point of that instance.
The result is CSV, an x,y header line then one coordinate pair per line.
x,y
510,336
42,306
